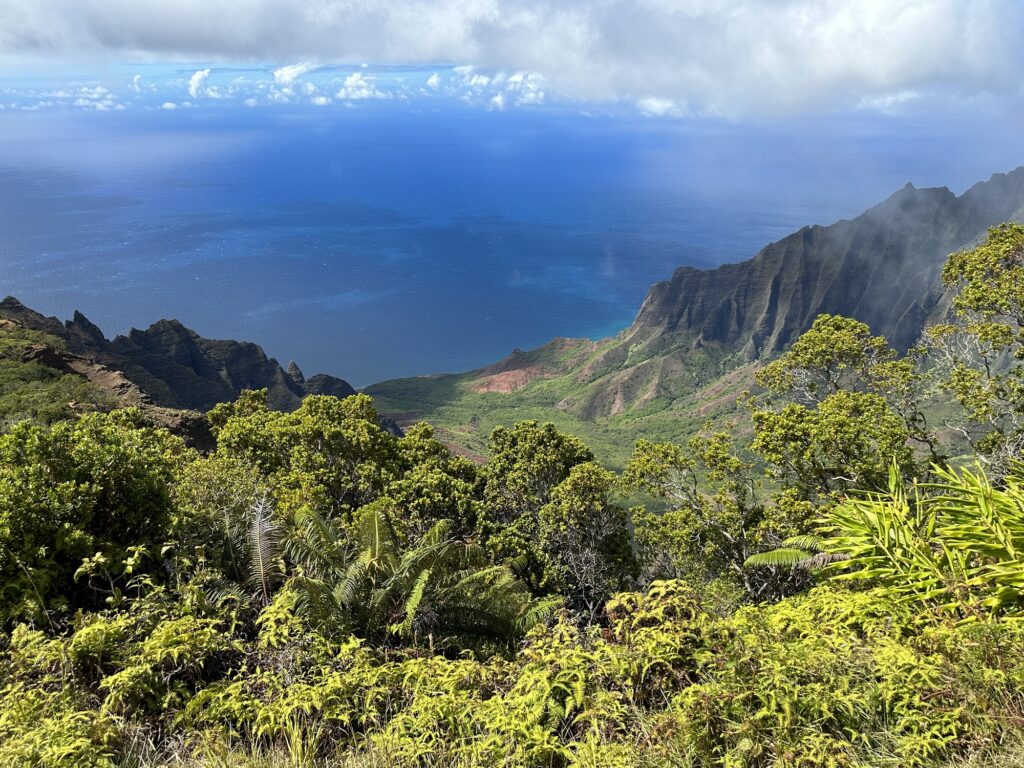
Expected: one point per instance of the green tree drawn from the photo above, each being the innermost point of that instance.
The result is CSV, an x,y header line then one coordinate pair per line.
x,y
715,518
434,485
584,536
96,488
838,408
527,462
329,453
979,352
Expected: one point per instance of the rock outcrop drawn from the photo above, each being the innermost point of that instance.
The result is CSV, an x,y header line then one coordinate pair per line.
x,y
177,368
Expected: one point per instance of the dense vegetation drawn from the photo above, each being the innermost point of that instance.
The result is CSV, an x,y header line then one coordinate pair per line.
x,y
838,582
30,390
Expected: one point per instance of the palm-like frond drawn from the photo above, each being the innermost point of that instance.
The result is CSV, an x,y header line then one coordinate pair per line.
x,y
437,587
957,544
807,551
265,537
783,557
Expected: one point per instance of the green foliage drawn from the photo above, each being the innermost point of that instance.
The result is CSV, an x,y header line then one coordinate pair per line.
x,y
437,590
331,452
94,489
715,521
848,408
957,549
31,391
584,536
979,352
834,678
527,462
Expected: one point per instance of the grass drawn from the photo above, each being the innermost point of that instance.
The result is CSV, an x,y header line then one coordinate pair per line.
x,y
465,418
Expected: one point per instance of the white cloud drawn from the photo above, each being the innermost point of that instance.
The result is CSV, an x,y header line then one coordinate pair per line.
x,y
197,83
890,103
357,86
87,97
715,56
168,105
289,74
434,81
497,102
526,88
656,107
137,83
321,101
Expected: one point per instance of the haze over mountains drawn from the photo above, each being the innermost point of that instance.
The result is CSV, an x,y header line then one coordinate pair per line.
x,y
882,268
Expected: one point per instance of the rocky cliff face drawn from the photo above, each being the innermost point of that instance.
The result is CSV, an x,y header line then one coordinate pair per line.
x,y
178,368
882,268
116,389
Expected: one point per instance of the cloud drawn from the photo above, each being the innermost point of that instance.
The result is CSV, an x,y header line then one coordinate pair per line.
x,y
656,107
434,81
197,83
526,88
357,86
289,74
168,105
730,57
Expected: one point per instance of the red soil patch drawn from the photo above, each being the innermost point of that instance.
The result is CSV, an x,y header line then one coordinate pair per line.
x,y
509,381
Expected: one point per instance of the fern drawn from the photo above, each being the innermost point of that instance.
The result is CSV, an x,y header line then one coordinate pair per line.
x,y
265,549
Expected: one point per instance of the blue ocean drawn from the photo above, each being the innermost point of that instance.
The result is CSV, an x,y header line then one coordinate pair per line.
x,y
391,240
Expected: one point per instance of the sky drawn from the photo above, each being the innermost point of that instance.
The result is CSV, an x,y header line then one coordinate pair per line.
x,y
734,58
379,189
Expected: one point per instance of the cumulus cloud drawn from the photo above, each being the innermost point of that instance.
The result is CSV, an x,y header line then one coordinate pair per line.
x,y
526,88
715,56
197,83
357,86
434,81
289,74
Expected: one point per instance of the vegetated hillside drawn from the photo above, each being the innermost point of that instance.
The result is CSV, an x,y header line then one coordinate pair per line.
x,y
42,382
177,367
314,591
661,375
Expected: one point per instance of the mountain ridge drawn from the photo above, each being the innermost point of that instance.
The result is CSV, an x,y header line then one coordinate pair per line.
x,y
176,367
